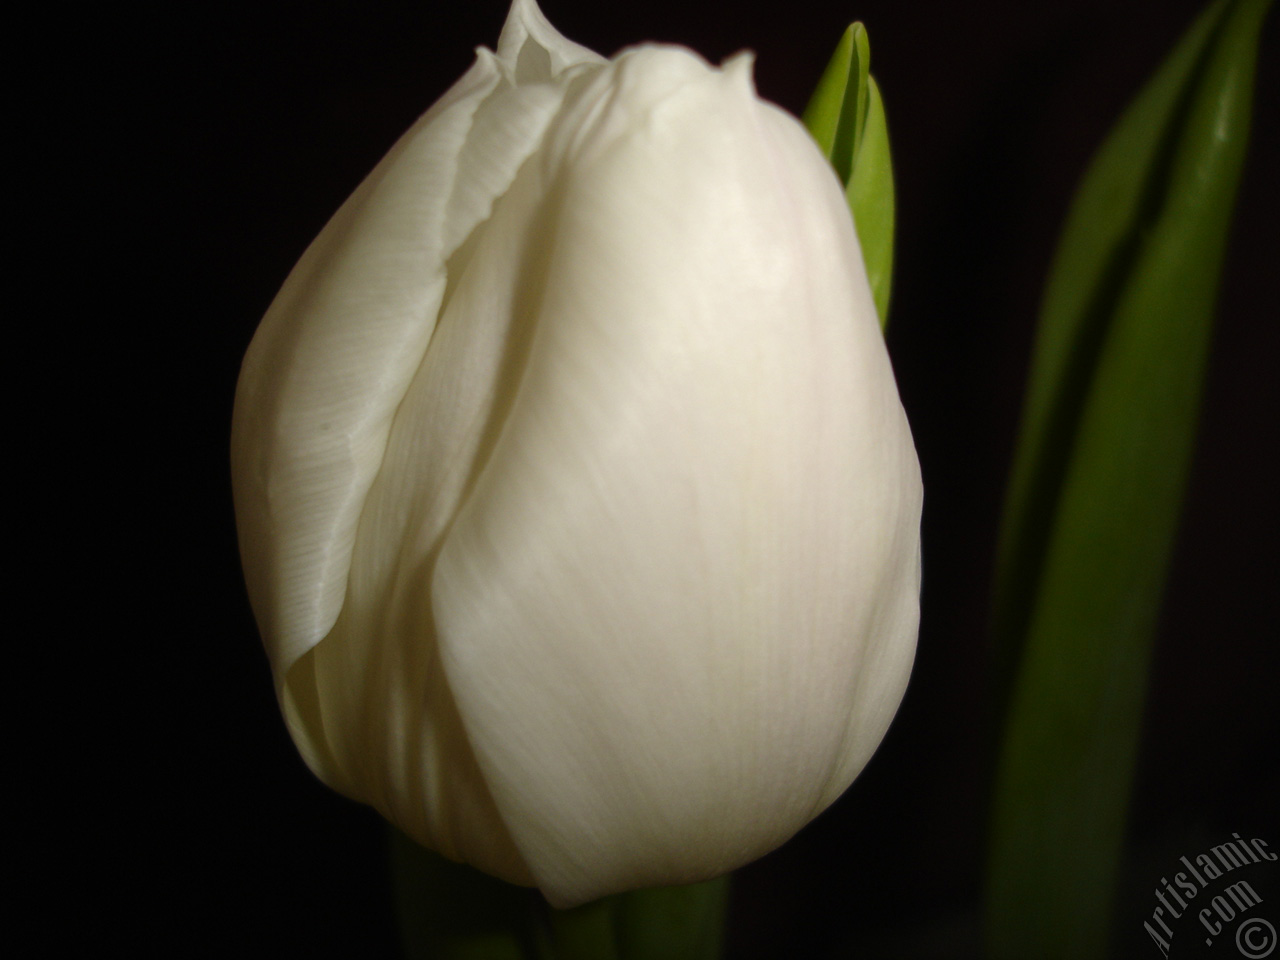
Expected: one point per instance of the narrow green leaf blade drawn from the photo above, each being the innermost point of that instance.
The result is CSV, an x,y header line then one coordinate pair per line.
x,y
871,198
846,117
1098,243
837,110
860,92
1098,483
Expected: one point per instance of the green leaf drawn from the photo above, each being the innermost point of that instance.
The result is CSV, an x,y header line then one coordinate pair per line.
x,y
871,198
837,110
1098,482
846,117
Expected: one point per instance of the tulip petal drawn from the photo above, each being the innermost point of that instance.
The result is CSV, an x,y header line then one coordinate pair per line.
x,y
325,401
387,712
327,368
534,49
677,609
335,352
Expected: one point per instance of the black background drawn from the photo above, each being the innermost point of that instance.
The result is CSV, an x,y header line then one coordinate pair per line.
x,y
192,152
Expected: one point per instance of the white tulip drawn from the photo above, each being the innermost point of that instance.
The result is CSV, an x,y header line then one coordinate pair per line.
x,y
578,509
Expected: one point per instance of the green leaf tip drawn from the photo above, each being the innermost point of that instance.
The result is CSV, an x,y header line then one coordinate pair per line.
x,y
837,110
846,117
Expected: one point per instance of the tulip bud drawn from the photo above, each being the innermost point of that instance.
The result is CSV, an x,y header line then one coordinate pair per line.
x,y
577,506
